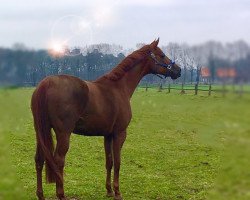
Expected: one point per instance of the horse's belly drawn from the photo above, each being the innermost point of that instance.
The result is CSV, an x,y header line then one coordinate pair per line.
x,y
88,132
92,127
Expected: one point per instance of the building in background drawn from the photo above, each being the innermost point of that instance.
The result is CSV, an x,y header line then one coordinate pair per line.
x,y
205,75
226,74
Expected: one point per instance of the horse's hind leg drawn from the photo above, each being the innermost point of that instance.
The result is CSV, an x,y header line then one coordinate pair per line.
x,y
39,159
62,147
109,164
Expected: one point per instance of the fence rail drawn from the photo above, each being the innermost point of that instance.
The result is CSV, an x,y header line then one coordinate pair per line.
x,y
224,89
210,89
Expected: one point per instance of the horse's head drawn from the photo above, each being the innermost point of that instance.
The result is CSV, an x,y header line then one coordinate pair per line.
x,y
159,63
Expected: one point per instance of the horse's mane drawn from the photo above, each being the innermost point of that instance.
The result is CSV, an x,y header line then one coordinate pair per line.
x,y
128,63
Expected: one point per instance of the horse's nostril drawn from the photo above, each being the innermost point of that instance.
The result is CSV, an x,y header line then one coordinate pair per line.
x,y
179,72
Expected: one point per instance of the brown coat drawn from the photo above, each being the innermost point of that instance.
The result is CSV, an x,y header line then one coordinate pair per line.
x,y
99,108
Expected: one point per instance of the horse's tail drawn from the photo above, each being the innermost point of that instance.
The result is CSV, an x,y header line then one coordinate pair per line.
x,y
42,126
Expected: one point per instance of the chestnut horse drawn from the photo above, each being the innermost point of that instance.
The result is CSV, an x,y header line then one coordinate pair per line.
x,y
99,108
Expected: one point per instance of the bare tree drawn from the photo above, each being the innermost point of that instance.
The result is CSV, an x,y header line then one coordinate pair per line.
x,y
186,60
172,50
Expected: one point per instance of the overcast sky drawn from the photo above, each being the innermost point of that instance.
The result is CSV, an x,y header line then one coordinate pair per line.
x,y
43,23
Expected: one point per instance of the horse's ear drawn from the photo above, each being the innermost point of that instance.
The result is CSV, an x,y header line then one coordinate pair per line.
x,y
155,43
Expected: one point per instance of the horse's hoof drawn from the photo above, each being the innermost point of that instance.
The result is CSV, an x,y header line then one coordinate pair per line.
x,y
41,198
118,197
110,194
61,197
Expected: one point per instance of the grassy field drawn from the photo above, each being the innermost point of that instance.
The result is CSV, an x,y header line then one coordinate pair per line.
x,y
178,147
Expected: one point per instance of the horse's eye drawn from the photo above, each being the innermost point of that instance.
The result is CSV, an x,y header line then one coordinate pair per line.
x,y
152,55
163,56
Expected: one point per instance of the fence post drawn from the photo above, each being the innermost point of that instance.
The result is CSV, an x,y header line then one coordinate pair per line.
x,y
241,90
196,88
223,89
197,79
160,88
182,88
146,87
210,88
168,87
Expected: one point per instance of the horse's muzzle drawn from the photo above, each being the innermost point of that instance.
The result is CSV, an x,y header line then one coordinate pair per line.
x,y
176,74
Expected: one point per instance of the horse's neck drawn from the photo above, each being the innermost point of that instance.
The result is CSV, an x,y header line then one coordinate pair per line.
x,y
132,78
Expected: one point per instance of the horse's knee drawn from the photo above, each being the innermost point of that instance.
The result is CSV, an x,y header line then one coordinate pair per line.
x,y
60,162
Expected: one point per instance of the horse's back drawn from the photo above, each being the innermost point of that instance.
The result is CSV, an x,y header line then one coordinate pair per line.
x,y
65,88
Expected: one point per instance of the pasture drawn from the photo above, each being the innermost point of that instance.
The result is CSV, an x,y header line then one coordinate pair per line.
x,y
178,147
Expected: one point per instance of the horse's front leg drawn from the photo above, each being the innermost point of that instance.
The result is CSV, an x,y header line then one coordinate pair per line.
x,y
118,141
109,163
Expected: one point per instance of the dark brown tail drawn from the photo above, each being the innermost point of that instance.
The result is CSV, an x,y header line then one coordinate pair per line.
x,y
43,131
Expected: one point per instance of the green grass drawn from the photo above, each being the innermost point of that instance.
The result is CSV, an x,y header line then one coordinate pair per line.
x,y
178,147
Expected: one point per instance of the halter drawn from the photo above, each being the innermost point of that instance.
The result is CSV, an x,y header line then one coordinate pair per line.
x,y
168,66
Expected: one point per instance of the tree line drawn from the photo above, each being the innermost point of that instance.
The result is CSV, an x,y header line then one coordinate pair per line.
x,y
24,67
28,67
